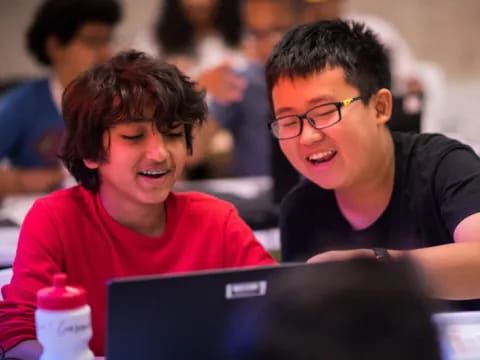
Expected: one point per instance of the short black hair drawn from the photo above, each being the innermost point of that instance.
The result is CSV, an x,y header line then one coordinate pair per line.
x,y
314,47
63,18
118,91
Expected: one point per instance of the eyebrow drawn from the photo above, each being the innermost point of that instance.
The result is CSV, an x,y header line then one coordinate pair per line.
x,y
312,102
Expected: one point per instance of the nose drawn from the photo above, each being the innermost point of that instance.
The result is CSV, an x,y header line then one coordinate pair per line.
x,y
156,147
309,134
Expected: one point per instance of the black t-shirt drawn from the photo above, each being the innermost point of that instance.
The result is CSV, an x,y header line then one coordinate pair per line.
x,y
436,186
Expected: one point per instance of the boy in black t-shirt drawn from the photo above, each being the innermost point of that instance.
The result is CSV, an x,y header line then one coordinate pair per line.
x,y
366,189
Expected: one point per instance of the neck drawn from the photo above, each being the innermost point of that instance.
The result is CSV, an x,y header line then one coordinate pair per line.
x,y
148,220
363,203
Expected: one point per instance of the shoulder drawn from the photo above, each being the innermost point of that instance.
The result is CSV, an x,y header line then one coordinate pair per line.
x,y
199,204
66,201
26,89
19,96
426,147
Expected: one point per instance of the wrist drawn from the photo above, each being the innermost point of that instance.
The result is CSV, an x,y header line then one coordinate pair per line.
x,y
382,254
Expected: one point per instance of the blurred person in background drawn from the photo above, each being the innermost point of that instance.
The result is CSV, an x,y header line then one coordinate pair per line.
x,y
265,22
67,37
404,68
201,37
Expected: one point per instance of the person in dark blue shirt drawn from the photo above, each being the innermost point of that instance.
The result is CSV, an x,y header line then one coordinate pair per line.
x,y
68,37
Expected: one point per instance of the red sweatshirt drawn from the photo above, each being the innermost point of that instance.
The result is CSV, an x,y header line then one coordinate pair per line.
x,y
69,231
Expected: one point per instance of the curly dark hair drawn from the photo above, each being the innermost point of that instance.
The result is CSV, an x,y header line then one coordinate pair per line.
x,y
118,91
63,18
313,47
175,33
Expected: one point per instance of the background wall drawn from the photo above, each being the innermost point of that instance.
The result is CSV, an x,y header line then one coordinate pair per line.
x,y
443,31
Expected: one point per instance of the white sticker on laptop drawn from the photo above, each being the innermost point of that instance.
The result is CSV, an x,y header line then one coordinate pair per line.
x,y
245,289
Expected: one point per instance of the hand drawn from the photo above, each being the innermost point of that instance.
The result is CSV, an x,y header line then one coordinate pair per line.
x,y
222,84
341,255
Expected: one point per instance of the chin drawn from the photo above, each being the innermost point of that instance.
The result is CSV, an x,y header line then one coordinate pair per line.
x,y
155,198
326,183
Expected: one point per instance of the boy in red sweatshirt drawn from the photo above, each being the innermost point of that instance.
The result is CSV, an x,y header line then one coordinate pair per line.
x,y
129,130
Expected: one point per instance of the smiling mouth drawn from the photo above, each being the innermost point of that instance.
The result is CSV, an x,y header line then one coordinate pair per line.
x,y
321,157
153,174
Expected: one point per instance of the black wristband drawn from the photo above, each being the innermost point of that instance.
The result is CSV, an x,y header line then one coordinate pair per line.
x,y
382,254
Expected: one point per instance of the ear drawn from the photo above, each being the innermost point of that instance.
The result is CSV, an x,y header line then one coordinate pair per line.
x,y
92,165
383,105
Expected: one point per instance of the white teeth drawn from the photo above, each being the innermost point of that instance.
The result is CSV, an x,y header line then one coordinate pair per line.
x,y
321,155
153,172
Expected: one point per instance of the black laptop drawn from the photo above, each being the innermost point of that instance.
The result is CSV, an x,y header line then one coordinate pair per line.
x,y
178,317
225,314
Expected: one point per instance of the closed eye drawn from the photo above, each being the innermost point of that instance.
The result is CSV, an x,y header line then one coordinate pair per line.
x,y
132,137
174,134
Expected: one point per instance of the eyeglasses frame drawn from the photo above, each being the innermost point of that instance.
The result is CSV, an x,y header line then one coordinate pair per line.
x,y
301,117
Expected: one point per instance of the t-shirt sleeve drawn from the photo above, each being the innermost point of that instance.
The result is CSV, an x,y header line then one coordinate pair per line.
x,y
242,248
38,258
457,186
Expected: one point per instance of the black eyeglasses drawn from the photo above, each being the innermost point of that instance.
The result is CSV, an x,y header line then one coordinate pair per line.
x,y
319,117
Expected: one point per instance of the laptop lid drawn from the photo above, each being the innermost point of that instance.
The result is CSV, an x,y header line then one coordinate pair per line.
x,y
230,314
175,317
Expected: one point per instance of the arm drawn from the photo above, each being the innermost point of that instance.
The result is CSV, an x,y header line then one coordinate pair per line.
x,y
242,248
39,256
15,181
26,350
451,270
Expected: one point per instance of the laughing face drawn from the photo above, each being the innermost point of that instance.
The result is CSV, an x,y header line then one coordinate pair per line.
x,y
142,164
342,155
